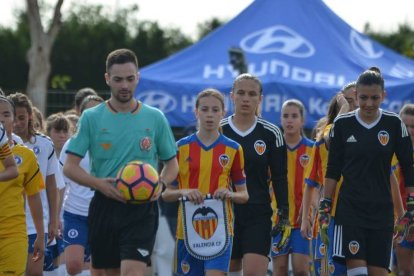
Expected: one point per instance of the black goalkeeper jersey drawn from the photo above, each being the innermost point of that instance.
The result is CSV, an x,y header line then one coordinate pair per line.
x,y
264,148
362,154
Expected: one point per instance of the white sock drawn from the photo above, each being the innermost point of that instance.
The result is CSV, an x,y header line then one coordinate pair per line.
x,y
357,271
235,273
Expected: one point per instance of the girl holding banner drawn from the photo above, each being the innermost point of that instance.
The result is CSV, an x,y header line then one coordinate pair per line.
x,y
211,177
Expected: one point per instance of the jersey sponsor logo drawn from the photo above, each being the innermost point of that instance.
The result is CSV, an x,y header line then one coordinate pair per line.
x,y
205,222
106,146
18,160
143,252
185,267
36,150
224,160
351,139
353,247
259,147
304,160
145,143
383,137
73,233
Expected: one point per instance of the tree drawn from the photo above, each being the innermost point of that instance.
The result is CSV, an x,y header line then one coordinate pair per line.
x,y
40,50
89,33
401,41
208,26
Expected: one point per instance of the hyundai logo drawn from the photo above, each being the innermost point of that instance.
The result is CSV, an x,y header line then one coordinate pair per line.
x,y
277,39
401,71
363,46
161,100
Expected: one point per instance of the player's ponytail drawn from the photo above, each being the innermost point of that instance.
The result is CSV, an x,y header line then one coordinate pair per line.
x,y
371,76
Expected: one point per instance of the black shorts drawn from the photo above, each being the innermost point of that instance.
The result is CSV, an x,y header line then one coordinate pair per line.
x,y
252,226
119,231
372,245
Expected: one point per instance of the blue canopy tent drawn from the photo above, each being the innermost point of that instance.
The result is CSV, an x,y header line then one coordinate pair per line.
x,y
299,49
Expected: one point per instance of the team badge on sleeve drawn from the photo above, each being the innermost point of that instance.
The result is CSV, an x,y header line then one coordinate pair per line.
x,y
383,137
260,147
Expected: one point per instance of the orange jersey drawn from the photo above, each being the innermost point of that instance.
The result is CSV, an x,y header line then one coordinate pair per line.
x,y
316,175
397,170
298,160
220,165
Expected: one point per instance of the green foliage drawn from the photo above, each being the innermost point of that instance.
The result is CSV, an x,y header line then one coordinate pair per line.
x,y
401,41
208,26
88,34
14,44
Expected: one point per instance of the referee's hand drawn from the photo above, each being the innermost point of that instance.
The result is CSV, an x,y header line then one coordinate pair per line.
x,y
106,186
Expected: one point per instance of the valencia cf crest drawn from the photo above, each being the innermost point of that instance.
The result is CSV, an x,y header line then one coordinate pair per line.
x,y
322,249
383,137
145,144
353,247
224,159
260,147
275,249
185,267
304,160
206,233
331,268
205,222
17,159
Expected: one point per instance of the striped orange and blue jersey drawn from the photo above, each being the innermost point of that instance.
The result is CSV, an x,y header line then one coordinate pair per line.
x,y
316,174
395,167
207,168
298,159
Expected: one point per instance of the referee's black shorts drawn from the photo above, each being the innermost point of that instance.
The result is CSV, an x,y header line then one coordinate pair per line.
x,y
119,231
252,226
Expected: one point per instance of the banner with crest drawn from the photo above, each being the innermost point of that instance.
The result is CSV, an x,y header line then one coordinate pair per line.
x,y
205,228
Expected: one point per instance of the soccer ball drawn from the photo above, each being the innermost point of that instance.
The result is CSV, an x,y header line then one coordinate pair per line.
x,y
137,182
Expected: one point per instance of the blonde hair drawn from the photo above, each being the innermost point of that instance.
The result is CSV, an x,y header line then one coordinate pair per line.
x,y
210,92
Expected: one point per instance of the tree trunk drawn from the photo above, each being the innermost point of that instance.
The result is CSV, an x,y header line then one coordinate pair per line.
x,y
39,53
38,57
